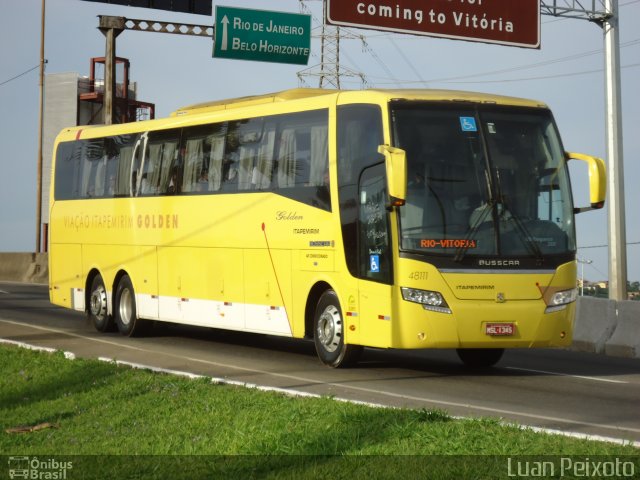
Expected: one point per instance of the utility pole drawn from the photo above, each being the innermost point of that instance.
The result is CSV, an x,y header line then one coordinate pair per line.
x,y
329,72
40,135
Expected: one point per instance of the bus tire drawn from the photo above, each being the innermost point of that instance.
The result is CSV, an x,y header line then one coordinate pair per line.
x,y
480,357
98,312
125,309
328,333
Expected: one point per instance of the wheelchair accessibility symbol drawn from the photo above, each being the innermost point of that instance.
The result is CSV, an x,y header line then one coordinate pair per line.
x,y
374,263
468,124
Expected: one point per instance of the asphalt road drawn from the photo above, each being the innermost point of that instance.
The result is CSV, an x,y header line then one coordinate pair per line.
x,y
555,389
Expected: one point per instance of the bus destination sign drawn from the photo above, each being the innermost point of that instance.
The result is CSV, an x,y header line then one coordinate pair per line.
x,y
262,35
504,22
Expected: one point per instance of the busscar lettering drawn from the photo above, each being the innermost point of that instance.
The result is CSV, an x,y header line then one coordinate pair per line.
x,y
498,263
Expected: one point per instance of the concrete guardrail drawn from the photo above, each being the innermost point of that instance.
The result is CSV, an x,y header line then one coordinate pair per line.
x,y
602,326
24,267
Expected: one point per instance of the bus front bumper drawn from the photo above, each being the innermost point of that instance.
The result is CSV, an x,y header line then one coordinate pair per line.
x,y
483,324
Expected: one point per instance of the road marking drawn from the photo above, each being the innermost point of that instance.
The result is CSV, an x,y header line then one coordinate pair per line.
x,y
2,291
559,374
299,393
495,411
67,355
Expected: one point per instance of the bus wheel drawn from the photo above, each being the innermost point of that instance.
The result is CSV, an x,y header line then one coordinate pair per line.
x,y
328,333
125,308
98,313
480,357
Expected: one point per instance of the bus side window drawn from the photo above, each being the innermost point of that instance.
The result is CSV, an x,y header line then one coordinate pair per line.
x,y
124,147
193,158
230,159
302,161
375,252
249,134
287,159
160,153
111,167
359,134
261,178
92,176
216,157
137,178
319,156
66,166
202,156
303,150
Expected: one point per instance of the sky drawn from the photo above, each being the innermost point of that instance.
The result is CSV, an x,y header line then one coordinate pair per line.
x,y
172,71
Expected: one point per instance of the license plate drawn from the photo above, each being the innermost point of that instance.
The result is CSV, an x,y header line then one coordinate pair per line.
x,y
500,329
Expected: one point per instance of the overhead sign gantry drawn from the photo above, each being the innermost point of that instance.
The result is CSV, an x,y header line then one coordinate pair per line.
x,y
198,7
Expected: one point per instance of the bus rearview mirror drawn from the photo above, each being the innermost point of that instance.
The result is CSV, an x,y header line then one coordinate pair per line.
x,y
597,180
396,166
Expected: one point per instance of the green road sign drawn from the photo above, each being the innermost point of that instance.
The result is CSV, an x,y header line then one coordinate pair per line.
x,y
262,35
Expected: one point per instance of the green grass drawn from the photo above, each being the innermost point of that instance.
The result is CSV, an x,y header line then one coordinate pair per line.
x,y
98,408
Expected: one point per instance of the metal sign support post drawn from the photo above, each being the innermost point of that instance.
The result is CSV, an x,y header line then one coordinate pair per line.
x,y
111,27
615,174
605,14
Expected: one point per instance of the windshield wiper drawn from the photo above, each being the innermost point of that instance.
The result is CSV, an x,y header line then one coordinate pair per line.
x,y
525,234
462,251
521,228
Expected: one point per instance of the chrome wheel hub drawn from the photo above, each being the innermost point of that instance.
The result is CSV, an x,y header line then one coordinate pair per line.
x,y
98,302
125,309
330,328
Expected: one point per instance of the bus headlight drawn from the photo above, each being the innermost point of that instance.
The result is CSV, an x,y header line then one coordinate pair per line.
x,y
429,300
560,300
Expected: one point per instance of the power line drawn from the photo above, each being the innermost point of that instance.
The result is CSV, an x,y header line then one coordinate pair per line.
x,y
545,77
20,75
591,265
575,56
603,246
409,62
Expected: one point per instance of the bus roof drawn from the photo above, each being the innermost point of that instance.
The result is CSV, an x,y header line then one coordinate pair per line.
x,y
300,94
227,104
398,94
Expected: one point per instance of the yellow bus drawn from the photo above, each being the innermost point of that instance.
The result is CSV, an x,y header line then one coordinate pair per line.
x,y
406,219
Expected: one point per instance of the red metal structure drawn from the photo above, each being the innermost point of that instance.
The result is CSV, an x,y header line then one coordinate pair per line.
x,y
127,109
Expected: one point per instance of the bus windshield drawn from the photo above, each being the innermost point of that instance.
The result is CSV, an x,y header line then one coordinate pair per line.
x,y
485,181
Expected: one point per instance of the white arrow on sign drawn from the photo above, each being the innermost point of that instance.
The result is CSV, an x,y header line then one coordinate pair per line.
x,y
225,24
